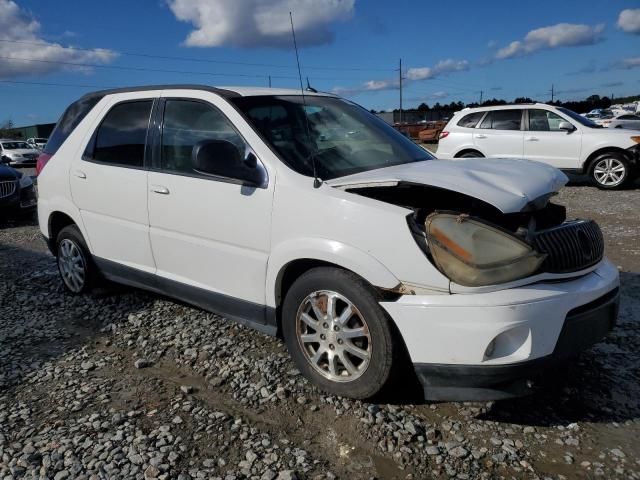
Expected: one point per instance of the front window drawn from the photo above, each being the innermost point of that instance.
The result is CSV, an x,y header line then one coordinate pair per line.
x,y
544,121
15,145
578,118
342,137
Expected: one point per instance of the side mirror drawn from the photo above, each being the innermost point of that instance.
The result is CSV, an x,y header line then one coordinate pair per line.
x,y
566,126
222,158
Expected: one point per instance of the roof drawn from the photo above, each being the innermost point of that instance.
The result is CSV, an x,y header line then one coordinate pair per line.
x,y
509,105
227,92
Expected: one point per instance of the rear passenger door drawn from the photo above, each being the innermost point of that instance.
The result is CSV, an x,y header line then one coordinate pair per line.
x,y
109,182
207,232
500,134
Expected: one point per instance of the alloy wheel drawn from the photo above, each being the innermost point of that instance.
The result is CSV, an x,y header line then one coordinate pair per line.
x,y
609,172
333,336
72,265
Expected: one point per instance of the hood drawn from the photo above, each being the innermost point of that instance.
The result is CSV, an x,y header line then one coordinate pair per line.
x,y
8,173
510,185
22,151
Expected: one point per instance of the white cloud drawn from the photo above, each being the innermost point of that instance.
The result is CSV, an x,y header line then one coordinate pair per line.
x,y
554,36
260,23
442,67
412,75
16,27
629,20
439,95
633,62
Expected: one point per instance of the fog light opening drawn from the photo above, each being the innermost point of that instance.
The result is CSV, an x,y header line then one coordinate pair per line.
x,y
488,353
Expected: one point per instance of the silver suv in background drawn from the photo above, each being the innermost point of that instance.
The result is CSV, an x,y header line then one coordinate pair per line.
x,y
545,133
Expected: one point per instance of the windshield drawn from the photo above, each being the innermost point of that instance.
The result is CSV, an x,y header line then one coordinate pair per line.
x,y
578,118
342,137
15,145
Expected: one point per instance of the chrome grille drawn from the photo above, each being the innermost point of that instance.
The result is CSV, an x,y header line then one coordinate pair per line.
x,y
571,246
7,188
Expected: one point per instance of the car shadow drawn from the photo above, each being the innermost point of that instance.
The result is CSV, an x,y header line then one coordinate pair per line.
x,y
576,180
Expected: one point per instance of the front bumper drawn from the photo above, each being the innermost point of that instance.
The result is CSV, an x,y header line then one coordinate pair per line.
x,y
23,200
491,345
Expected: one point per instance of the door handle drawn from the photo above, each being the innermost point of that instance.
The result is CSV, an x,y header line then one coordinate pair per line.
x,y
80,174
160,189
481,135
532,139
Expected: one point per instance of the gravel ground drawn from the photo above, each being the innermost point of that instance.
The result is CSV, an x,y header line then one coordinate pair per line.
x,y
125,384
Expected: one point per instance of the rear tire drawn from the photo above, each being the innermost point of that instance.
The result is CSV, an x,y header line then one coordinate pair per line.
x,y
338,335
610,171
75,264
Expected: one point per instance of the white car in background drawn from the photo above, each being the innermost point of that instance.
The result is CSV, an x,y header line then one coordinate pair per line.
x,y
365,253
545,133
627,120
17,153
37,142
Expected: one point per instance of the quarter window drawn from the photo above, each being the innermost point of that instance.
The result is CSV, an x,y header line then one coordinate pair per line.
x,y
502,120
122,135
470,120
185,124
544,121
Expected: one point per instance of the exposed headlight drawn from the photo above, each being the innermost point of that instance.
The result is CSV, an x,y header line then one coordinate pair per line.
x,y
25,181
636,139
473,254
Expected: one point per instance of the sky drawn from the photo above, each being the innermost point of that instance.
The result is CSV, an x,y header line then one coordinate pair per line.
x,y
52,52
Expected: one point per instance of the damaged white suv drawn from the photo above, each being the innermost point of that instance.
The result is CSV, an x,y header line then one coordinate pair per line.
x,y
307,216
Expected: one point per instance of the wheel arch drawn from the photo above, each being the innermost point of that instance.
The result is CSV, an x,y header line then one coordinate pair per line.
x,y
56,222
586,166
468,150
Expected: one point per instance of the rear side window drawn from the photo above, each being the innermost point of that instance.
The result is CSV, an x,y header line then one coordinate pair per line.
x,y
470,120
121,137
502,120
70,119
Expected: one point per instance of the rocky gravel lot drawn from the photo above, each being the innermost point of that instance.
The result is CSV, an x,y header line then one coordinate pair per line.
x,y
124,384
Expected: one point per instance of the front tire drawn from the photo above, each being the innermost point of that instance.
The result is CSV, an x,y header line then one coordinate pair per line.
x,y
610,171
338,335
76,267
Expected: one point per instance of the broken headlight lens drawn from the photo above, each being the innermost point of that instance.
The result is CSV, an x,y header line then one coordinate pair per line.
x,y
473,254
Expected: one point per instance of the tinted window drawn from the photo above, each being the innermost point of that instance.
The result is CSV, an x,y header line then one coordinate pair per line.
x,y
628,117
121,137
187,123
70,119
337,136
578,118
544,121
502,120
470,120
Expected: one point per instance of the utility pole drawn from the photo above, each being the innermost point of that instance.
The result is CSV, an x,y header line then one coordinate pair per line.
x,y
269,81
552,93
400,73
481,92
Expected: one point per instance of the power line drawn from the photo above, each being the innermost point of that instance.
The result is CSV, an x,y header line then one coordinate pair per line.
x,y
159,70
205,60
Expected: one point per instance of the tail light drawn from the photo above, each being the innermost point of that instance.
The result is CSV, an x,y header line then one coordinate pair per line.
x,y
43,158
443,134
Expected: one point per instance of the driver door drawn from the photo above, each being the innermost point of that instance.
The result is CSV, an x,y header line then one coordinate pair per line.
x,y
206,232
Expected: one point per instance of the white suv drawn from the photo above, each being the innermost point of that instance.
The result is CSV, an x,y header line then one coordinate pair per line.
x,y
307,216
545,133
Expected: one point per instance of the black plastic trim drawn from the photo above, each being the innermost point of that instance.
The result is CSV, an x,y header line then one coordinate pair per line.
x,y
583,327
253,315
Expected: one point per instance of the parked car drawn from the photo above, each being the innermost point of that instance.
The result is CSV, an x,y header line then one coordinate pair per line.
x,y
37,142
17,152
17,193
553,135
367,255
431,131
624,121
